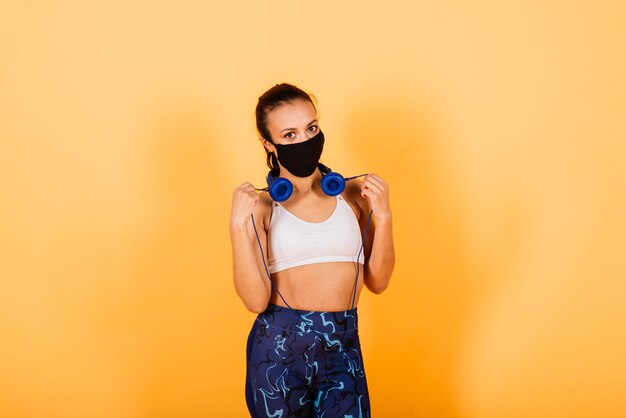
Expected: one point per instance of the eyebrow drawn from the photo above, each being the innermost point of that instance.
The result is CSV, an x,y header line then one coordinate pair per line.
x,y
293,129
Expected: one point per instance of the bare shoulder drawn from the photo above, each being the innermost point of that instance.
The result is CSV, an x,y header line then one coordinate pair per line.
x,y
264,207
352,194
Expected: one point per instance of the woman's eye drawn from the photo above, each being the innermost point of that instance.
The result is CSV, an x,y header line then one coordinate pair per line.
x,y
313,128
288,135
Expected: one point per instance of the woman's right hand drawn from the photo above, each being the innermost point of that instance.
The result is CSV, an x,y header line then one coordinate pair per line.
x,y
245,198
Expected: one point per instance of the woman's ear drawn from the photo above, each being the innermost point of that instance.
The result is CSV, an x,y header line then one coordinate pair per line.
x,y
267,144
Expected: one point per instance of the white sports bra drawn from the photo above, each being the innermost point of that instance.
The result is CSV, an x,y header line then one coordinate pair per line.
x,y
294,242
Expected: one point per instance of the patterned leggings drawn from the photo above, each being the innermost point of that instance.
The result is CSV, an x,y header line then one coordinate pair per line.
x,y
305,367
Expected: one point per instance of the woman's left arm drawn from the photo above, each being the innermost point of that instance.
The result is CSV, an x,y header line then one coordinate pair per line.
x,y
379,241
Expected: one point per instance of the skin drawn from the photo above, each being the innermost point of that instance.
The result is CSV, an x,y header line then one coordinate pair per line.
x,y
323,286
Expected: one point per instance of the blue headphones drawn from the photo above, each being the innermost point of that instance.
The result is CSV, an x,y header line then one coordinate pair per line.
x,y
280,188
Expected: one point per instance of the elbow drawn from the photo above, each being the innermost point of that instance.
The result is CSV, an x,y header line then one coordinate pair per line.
x,y
256,306
376,285
378,275
257,309
252,300
378,289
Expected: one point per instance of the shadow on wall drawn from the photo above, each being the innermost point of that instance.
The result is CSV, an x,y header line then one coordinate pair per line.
x,y
415,322
176,265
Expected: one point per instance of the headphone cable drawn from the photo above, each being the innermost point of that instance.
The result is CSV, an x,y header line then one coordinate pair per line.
x,y
276,287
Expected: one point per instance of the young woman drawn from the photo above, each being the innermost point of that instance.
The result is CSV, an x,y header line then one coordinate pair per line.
x,y
301,263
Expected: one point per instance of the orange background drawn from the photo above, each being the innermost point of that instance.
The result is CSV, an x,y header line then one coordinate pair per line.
x,y
125,126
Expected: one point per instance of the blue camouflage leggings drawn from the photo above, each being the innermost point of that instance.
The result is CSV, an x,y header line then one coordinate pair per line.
x,y
305,367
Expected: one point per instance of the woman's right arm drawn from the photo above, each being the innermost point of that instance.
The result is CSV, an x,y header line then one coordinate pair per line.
x,y
249,275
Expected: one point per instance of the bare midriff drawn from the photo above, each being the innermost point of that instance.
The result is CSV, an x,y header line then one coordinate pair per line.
x,y
325,286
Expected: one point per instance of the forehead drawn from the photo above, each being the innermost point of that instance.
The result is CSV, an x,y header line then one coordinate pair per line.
x,y
291,115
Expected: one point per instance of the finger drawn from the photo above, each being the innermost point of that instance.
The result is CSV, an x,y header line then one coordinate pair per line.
x,y
254,198
243,191
377,180
246,196
368,193
370,185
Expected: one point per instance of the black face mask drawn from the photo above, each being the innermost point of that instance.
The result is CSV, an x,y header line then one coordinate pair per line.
x,y
301,158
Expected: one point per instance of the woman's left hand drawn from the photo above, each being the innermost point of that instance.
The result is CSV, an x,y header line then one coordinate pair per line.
x,y
377,190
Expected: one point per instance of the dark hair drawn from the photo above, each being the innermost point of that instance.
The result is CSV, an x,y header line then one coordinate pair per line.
x,y
271,99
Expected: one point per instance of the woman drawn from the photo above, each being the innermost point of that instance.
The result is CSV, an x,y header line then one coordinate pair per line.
x,y
303,352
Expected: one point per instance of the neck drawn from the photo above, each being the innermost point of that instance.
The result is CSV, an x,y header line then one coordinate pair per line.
x,y
303,184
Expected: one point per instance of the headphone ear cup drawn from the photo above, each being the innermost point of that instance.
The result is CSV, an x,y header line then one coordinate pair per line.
x,y
333,183
280,188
